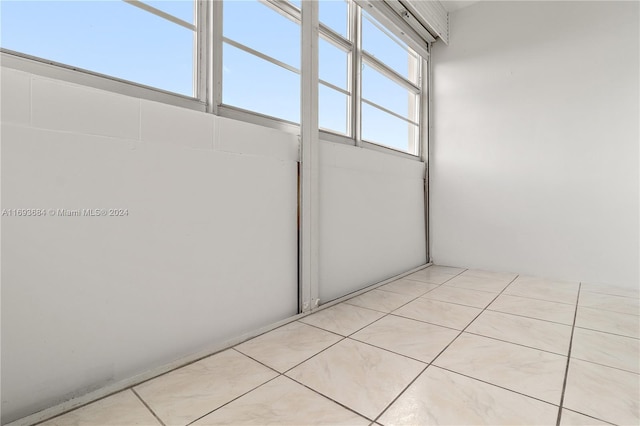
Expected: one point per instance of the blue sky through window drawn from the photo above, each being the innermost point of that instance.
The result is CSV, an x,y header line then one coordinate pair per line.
x,y
108,37
117,39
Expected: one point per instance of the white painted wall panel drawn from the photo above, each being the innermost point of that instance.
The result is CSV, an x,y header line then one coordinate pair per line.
x,y
371,218
15,96
208,251
61,106
535,149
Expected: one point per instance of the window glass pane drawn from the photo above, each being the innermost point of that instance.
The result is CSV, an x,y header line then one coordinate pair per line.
x,y
104,37
385,92
333,65
388,130
254,84
388,49
333,109
263,29
183,9
334,14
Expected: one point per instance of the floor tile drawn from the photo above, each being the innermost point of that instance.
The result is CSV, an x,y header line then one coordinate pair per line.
x,y
183,395
343,318
439,313
282,402
478,283
534,308
440,397
451,270
603,392
529,371
408,337
121,409
357,375
610,289
625,305
431,276
543,335
607,321
383,301
540,288
288,346
571,418
607,349
409,287
498,276
461,296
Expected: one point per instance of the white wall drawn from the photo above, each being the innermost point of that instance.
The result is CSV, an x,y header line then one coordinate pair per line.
x,y
208,251
535,149
372,223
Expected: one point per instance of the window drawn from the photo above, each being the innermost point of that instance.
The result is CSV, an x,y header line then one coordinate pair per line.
x,y
369,80
261,59
390,89
152,46
335,56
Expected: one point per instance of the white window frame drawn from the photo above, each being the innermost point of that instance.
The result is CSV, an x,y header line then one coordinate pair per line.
x,y
208,82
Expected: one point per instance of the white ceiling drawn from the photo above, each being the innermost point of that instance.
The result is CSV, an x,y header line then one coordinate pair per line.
x,y
453,5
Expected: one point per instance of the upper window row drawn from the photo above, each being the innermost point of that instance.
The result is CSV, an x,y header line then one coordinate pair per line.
x,y
370,81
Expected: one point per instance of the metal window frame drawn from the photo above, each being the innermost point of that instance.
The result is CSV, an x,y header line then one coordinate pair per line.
x,y
283,8
347,45
355,18
162,14
77,75
308,179
366,58
208,84
401,44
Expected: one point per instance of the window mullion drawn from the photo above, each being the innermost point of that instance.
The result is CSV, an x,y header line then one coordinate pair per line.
x,y
355,25
389,73
388,111
215,56
202,44
334,87
261,55
335,38
161,14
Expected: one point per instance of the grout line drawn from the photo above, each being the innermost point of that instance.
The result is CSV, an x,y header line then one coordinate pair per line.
x,y
530,317
538,298
388,350
612,311
426,322
607,366
608,332
493,384
636,298
315,354
590,416
78,407
252,358
331,399
566,370
441,352
230,401
148,407
517,344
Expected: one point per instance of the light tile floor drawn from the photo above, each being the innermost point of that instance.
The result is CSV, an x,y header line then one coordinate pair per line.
x,y
441,346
